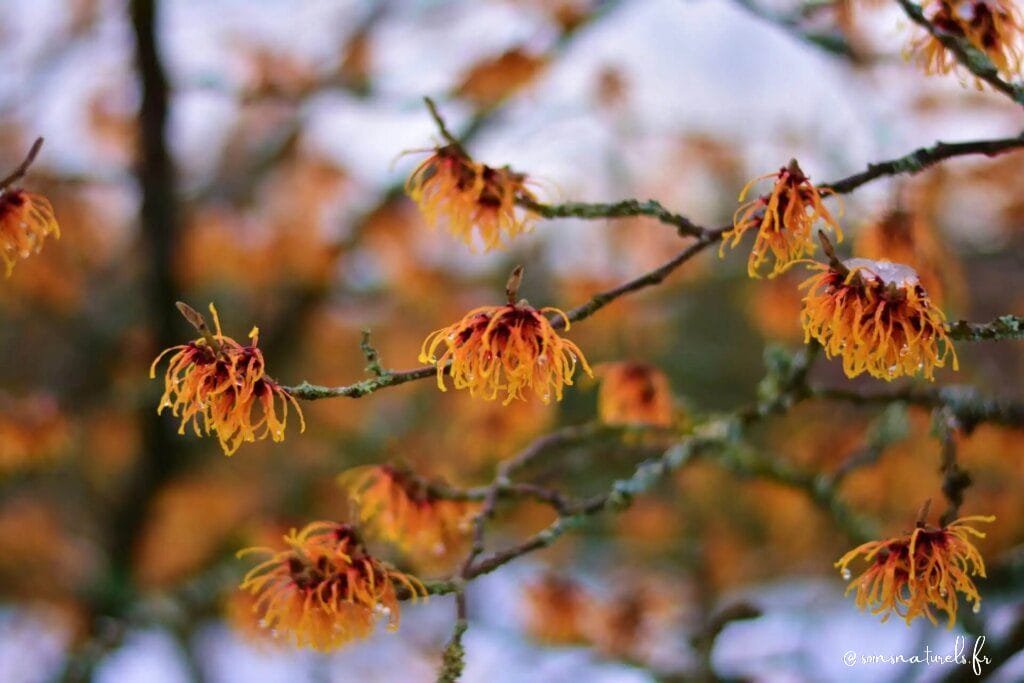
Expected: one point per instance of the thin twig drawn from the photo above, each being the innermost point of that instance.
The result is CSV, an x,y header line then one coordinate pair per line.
x,y
621,209
371,355
441,126
955,480
654,277
922,158
19,173
453,660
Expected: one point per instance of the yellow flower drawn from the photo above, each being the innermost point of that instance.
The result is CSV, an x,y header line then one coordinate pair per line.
x,y
634,393
912,574
221,387
470,195
877,317
324,590
26,220
992,26
784,219
507,349
396,506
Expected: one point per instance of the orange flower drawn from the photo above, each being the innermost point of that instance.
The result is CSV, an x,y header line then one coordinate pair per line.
x,y
878,317
784,219
324,590
26,220
912,574
505,348
471,195
634,393
221,387
400,508
991,26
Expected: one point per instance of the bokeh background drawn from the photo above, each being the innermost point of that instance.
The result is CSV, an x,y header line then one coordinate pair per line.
x,y
275,191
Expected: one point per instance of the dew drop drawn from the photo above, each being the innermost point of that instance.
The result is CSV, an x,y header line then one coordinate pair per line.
x,y
846,573
977,607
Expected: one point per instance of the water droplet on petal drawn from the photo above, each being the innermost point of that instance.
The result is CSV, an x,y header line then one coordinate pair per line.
x,y
977,607
846,573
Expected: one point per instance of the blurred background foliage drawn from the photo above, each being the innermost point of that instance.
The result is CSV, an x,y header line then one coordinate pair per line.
x,y
252,160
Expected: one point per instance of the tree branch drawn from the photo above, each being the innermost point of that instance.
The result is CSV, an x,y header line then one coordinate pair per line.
x,y
1003,327
620,209
969,407
973,59
313,392
453,661
920,159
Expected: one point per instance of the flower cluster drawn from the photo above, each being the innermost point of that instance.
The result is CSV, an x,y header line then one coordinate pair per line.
x,y
510,348
911,574
396,506
222,388
324,590
26,220
784,219
877,317
469,195
994,27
